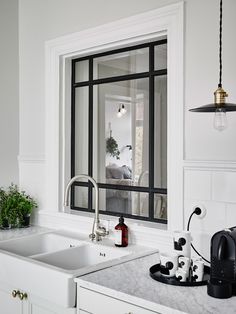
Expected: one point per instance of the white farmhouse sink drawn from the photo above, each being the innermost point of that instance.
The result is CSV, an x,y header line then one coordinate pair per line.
x,y
38,244
81,257
46,264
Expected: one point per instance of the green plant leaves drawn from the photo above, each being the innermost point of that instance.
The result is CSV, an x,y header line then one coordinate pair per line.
x,y
14,206
112,147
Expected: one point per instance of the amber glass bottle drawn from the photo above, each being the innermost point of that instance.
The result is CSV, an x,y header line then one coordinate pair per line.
x,y
121,233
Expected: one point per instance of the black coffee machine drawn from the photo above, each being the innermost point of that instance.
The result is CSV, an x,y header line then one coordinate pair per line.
x,y
222,283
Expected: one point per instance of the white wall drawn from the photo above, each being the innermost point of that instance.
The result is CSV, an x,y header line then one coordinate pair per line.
x,y
40,21
207,151
201,70
9,92
209,154
43,20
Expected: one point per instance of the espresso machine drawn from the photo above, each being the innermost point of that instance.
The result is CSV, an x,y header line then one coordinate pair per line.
x,y
222,283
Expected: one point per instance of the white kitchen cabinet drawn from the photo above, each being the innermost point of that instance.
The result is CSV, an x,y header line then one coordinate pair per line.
x,y
38,305
92,302
29,305
10,304
39,309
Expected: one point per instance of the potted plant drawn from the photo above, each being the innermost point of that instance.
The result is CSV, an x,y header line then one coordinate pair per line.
x,y
15,207
4,223
112,147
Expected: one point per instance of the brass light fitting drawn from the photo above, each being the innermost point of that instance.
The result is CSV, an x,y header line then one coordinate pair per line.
x,y
220,95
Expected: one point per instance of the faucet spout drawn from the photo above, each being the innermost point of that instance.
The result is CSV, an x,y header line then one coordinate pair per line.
x,y
97,231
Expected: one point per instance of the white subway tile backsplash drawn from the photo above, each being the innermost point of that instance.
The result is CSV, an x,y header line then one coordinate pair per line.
x,y
197,184
202,243
216,190
224,186
214,220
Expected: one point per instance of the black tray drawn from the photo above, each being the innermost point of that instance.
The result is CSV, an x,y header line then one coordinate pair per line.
x,y
156,275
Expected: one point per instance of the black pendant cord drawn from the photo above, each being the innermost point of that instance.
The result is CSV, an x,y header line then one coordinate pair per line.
x,y
219,95
193,247
220,46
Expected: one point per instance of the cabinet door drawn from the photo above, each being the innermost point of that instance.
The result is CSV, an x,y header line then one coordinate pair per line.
x,y
30,305
38,305
93,302
37,309
8,304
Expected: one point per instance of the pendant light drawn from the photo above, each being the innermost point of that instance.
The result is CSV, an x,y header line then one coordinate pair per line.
x,y
119,113
220,106
123,110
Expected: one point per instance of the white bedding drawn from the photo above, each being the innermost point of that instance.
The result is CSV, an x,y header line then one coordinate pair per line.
x,y
118,193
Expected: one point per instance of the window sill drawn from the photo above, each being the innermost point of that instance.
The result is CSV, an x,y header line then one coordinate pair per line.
x,y
141,232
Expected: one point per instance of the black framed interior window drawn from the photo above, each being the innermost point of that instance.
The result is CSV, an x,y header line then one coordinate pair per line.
x,y
119,131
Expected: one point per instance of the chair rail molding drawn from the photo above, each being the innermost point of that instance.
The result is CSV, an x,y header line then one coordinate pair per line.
x,y
146,26
31,159
217,165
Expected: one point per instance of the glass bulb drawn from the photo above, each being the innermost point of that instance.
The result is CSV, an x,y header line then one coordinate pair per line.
x,y
220,119
119,113
123,110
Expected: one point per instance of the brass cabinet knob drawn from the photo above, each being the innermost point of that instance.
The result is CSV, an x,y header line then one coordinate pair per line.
x,y
23,296
15,293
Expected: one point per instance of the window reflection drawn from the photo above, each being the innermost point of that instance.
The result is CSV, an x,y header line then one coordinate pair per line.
x,y
121,138
130,202
119,117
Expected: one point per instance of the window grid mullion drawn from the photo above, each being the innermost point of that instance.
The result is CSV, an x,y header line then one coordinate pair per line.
x,y
132,188
151,190
90,134
126,77
151,130
120,50
72,193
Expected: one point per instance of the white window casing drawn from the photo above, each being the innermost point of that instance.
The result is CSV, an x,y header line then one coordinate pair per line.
x,y
143,27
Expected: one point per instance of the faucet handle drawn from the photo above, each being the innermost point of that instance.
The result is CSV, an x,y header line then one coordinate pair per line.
x,y
103,227
106,224
101,231
92,236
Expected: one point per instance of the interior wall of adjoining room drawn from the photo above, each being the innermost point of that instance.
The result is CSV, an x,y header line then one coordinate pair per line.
x,y
9,93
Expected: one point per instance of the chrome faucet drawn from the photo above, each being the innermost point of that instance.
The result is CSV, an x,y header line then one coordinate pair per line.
x,y
97,230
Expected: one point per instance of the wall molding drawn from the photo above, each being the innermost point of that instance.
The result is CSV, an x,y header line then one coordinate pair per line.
x,y
133,30
220,165
31,158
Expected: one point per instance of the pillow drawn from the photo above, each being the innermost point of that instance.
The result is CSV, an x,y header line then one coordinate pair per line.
x,y
108,170
117,173
127,173
108,173
112,165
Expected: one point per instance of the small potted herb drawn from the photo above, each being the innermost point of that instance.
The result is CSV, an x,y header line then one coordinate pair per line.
x,y
3,217
15,208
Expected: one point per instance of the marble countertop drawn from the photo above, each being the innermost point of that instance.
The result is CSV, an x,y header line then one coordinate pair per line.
x,y
21,232
131,282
